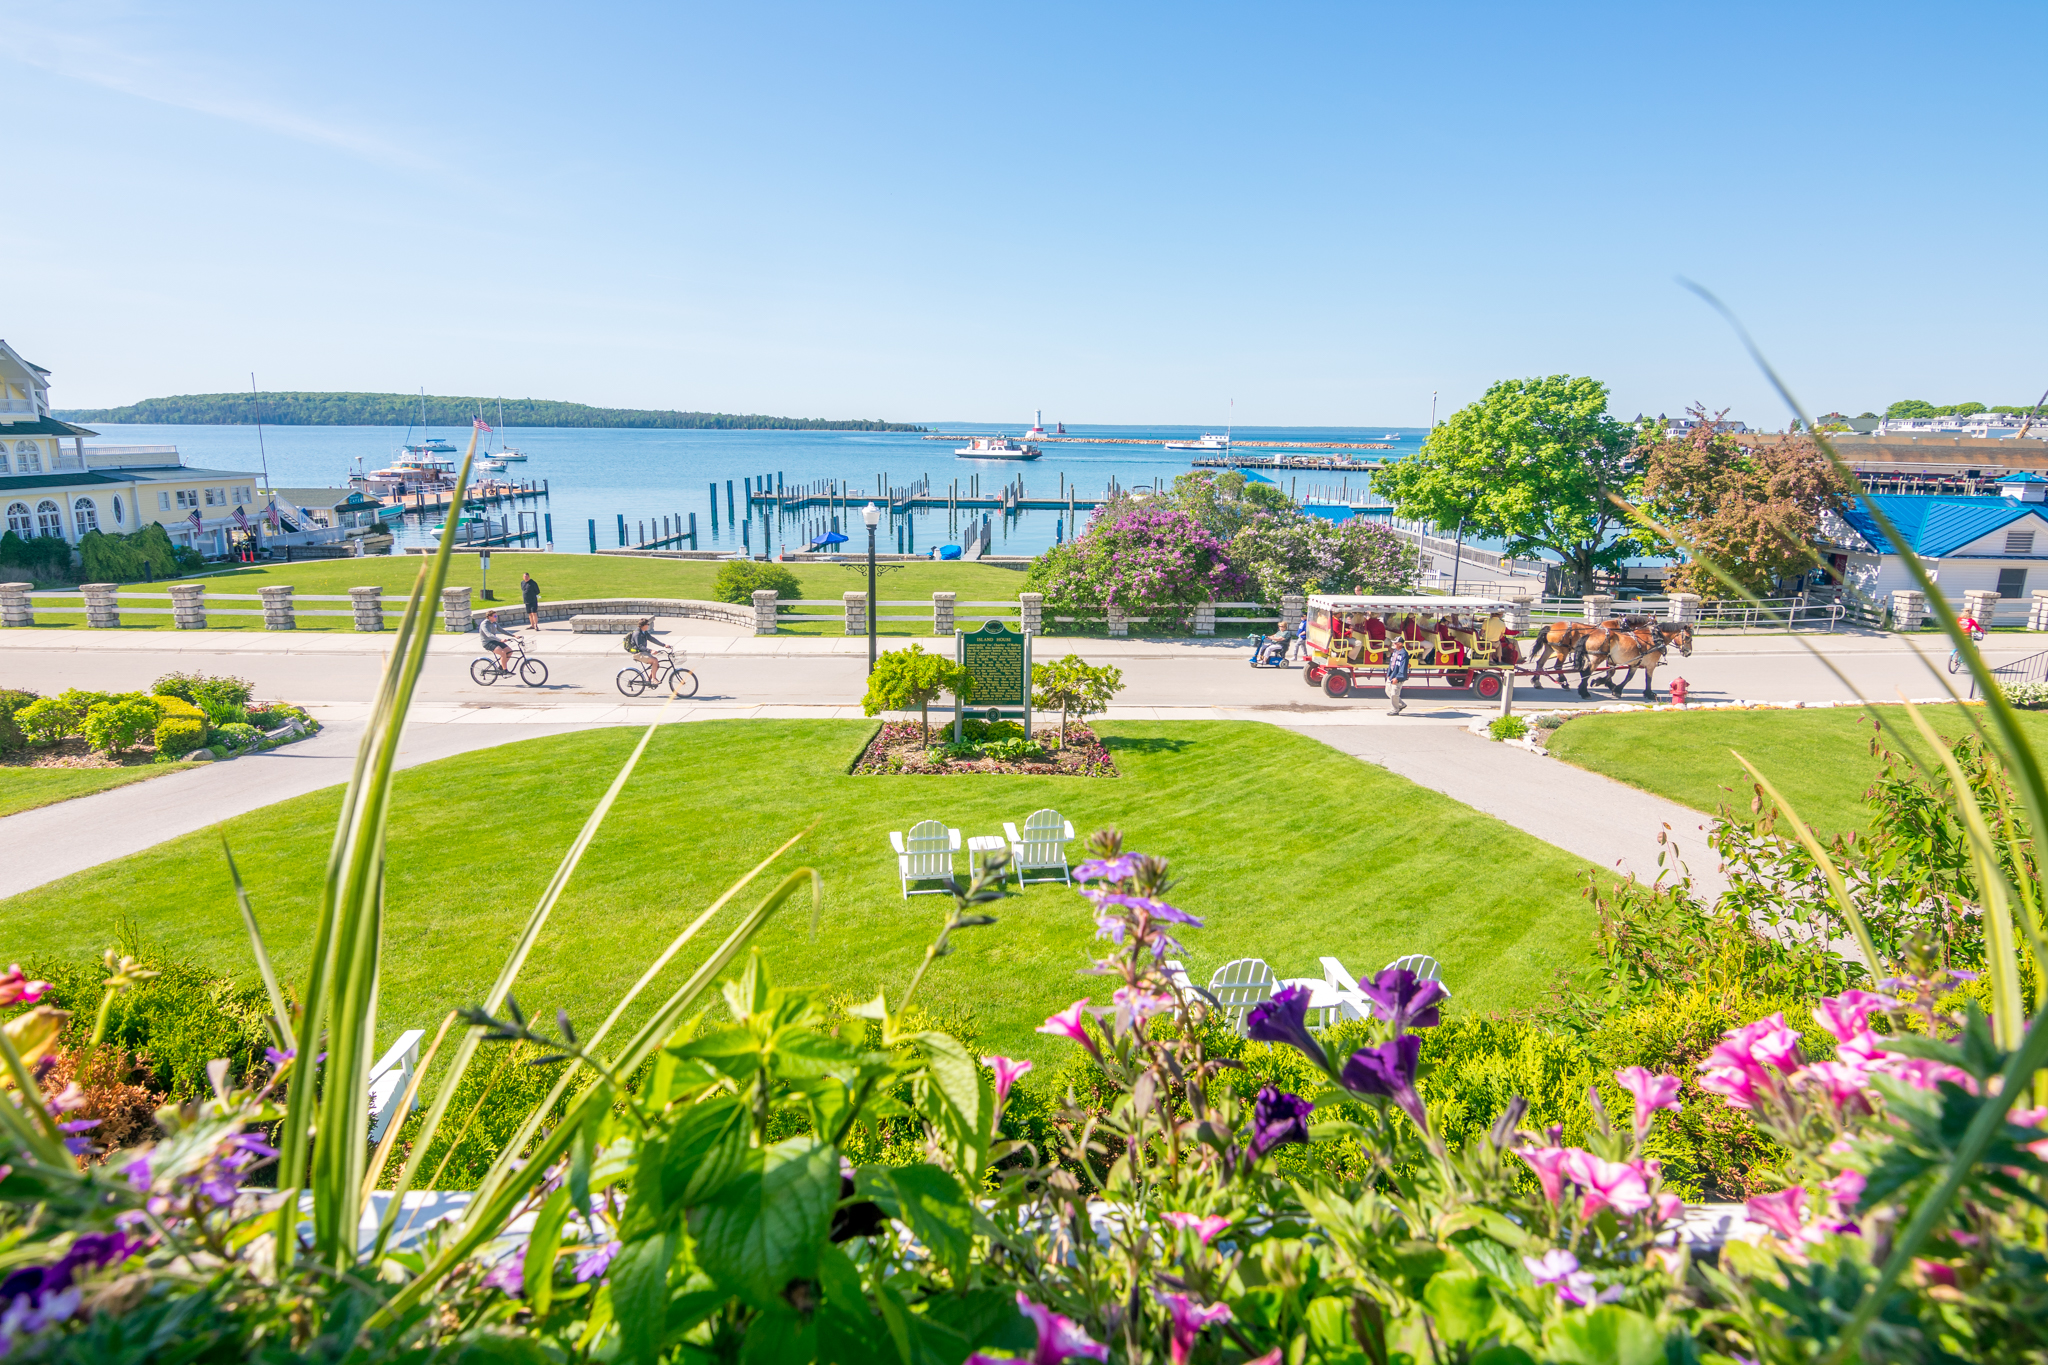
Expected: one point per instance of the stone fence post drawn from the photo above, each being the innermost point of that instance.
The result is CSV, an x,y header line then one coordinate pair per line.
x,y
764,611
1909,608
1519,607
1980,606
942,612
455,613
102,611
1293,606
1596,606
188,606
1684,608
1205,618
856,612
278,613
1033,610
15,607
1119,623
2037,610
368,605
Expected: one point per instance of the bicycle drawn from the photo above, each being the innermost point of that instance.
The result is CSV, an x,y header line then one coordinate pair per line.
x,y
530,671
681,681
1955,656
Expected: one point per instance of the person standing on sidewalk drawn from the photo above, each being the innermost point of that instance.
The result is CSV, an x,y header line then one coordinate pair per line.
x,y
1397,673
530,591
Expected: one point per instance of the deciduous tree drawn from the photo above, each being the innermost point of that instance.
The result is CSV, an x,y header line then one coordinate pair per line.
x,y
1532,463
910,678
1074,685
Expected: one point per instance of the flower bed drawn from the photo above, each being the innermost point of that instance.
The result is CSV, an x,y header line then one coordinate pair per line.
x,y
899,748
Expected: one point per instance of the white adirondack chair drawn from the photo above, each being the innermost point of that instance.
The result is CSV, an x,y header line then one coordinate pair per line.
x,y
1240,984
925,854
1350,1003
1177,972
1424,966
1042,847
391,1078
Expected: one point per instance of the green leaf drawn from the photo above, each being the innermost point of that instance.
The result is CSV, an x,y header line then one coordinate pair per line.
x,y
1462,1304
984,1318
639,1285
780,1337
705,1150
540,1251
931,1202
1608,1335
766,1227
582,1152
1503,1355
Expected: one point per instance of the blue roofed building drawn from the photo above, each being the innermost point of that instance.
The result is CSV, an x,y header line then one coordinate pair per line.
x,y
1969,544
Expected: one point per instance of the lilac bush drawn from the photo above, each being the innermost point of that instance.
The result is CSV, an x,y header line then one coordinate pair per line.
x,y
1142,560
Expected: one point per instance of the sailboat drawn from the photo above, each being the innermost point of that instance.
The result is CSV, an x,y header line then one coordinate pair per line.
x,y
428,445
506,452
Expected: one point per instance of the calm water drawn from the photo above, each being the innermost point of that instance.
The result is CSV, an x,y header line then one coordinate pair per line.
x,y
600,475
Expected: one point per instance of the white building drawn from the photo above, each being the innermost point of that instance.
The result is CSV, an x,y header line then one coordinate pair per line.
x,y
1984,544
53,484
1992,425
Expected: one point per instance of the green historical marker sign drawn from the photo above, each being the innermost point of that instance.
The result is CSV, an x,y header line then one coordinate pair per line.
x,y
999,659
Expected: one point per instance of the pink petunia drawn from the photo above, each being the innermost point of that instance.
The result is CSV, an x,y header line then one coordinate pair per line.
x,y
1548,1163
1924,1073
1783,1213
1608,1184
1189,1318
1862,1050
1204,1228
1007,1070
1669,1207
1848,1014
1069,1023
1652,1092
17,989
1843,1082
1059,1338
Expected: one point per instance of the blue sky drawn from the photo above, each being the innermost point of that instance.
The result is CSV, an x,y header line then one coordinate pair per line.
x,y
1118,213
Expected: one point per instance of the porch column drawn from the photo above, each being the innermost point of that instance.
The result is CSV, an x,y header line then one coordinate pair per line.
x,y
1033,611
764,611
856,612
1684,608
942,612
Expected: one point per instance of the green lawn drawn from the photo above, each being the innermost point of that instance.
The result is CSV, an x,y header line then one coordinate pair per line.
x,y
1820,760
568,576
1288,848
26,788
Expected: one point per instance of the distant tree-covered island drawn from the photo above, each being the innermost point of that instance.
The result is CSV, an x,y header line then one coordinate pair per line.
x,y
403,409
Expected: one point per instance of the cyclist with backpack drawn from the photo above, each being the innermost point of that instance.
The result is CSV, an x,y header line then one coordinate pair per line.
x,y
497,641
640,644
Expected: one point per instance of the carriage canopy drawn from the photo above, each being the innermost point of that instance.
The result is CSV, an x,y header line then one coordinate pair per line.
x,y
1435,606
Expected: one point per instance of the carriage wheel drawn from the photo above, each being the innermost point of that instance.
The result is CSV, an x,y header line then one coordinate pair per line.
x,y
1336,683
1458,677
1487,685
1313,675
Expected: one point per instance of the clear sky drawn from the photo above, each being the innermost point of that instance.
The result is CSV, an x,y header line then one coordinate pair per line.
x,y
1115,212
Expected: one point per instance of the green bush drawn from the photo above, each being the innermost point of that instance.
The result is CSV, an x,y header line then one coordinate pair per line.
x,y
184,727
46,721
79,700
739,579
41,556
114,727
203,689
116,558
1508,727
2028,696
1013,750
495,1097
12,699
238,735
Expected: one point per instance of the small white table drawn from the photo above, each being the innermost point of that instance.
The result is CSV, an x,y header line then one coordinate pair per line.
x,y
985,843
1323,998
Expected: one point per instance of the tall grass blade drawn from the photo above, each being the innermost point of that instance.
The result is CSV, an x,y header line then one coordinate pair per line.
x,y
404,1107
339,1001
1836,886
280,1014
504,1186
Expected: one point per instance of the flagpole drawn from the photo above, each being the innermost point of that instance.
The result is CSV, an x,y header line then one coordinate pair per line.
x,y
261,454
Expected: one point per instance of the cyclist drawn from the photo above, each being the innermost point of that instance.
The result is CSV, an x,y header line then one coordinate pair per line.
x,y
1971,627
640,644
497,641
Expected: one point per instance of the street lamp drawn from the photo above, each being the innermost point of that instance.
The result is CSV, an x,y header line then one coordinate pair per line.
x,y
872,515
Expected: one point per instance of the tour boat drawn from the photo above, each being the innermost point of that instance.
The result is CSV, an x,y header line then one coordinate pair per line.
x,y
1210,444
997,448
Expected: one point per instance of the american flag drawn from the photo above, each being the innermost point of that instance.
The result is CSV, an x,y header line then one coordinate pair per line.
x,y
482,425
241,520
271,512
198,522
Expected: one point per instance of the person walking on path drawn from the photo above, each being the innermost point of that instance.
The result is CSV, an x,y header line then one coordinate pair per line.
x,y
530,590
1397,673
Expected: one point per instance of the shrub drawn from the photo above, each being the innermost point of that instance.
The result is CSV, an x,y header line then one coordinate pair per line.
x,y
1291,551
46,721
2028,696
907,678
238,735
116,558
1013,750
1508,727
184,727
739,579
41,556
80,701
493,1100
1138,559
114,727
12,700
1075,686
202,688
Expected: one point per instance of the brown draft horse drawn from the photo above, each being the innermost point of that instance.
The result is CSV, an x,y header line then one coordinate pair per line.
x,y
1631,647
1558,641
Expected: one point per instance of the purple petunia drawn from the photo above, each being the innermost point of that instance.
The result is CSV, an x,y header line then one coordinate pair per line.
x,y
1278,1119
1403,999
1389,1071
593,1263
1284,1019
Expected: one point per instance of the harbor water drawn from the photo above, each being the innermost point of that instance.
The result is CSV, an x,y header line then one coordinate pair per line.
x,y
598,475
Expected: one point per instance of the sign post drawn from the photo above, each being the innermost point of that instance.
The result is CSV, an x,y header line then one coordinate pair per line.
x,y
998,659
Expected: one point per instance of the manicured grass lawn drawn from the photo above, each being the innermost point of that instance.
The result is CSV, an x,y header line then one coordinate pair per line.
x,y
1820,760
1287,848
26,788
566,576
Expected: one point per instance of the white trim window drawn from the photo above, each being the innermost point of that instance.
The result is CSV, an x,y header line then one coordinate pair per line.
x,y
187,498
5,468
245,496
19,521
163,501
85,514
49,519
216,497
29,457
119,518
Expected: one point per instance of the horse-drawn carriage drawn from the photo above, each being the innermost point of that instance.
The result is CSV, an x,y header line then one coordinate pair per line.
x,y
1466,643
1459,642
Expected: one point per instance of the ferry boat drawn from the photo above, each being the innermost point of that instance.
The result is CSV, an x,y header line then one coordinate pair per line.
x,y
1210,444
997,448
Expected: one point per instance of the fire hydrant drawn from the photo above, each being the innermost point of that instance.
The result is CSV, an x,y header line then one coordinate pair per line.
x,y
1678,691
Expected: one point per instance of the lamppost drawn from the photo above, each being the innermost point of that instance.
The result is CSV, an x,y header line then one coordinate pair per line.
x,y
872,515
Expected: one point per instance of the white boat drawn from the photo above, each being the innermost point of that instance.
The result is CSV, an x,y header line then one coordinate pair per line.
x,y
1210,444
505,453
490,464
997,448
1391,436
